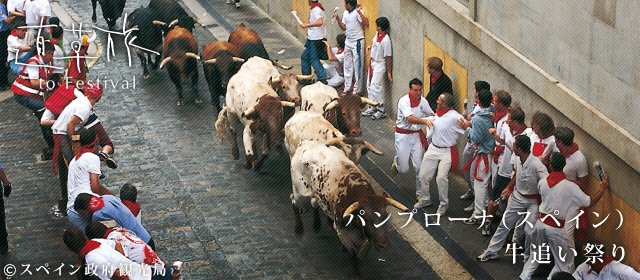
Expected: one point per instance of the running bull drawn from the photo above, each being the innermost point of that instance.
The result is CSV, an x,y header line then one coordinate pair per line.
x,y
181,59
111,11
148,36
170,14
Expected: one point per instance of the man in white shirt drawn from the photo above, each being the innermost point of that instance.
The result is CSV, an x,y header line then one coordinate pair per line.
x,y
604,267
410,139
353,22
37,13
335,72
15,7
380,64
16,46
104,258
543,128
558,197
442,153
314,46
522,194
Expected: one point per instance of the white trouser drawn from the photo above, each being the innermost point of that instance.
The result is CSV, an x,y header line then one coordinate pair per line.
x,y
334,79
353,64
409,147
480,184
436,159
570,226
511,219
467,154
556,239
374,81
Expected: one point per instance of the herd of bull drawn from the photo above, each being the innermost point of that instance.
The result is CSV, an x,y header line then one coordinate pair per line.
x,y
321,138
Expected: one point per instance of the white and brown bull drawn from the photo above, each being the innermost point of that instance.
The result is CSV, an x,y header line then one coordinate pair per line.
x,y
342,112
254,104
332,182
313,126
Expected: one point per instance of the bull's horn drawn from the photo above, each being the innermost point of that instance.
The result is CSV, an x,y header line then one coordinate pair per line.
x,y
397,204
92,38
157,22
135,26
248,112
164,61
273,80
331,105
237,59
171,24
335,141
304,77
198,21
368,101
287,104
190,54
351,208
210,61
372,148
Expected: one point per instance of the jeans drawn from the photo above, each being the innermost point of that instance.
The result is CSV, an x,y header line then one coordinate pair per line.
x,y
16,68
310,58
36,106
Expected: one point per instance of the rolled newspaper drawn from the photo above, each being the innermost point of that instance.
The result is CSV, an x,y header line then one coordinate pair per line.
x,y
547,151
335,12
295,15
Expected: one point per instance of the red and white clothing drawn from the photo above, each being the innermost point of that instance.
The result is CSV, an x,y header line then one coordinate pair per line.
x,y
104,260
353,50
380,50
440,155
13,42
335,72
408,140
501,155
134,248
33,70
611,271
558,197
575,168
538,145
80,107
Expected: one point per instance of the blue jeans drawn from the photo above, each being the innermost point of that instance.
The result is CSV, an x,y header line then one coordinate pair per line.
x,y
31,103
16,68
310,58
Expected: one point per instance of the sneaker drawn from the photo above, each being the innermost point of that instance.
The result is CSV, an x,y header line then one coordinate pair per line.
x,y
471,221
467,196
486,256
102,176
469,209
394,168
237,5
379,115
177,267
422,204
56,212
442,209
108,160
369,112
486,228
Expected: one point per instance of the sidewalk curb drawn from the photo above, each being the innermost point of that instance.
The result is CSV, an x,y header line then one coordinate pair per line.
x,y
428,248
69,19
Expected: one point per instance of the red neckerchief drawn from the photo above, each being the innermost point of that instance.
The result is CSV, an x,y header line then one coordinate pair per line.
x,y
313,5
517,131
435,77
414,101
87,148
440,113
380,36
95,204
133,207
15,33
90,246
570,150
500,115
340,51
555,177
598,266
108,232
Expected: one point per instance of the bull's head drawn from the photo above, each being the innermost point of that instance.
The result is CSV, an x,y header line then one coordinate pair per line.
x,y
182,63
227,65
185,22
347,113
373,210
353,148
287,86
267,116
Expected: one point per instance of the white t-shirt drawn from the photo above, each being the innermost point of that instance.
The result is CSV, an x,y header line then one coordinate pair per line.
x,y
382,49
35,10
134,248
405,110
563,196
58,60
509,139
79,177
15,5
538,146
528,174
353,25
317,32
504,160
446,130
13,43
576,167
33,69
104,261
79,107
612,271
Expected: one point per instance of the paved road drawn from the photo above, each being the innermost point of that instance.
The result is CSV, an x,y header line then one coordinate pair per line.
x,y
200,206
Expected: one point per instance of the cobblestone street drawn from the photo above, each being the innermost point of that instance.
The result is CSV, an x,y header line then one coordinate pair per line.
x,y
199,205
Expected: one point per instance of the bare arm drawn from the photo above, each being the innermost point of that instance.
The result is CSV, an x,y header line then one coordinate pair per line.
x,y
365,20
17,14
316,23
71,126
389,63
9,19
329,52
416,120
509,189
25,49
3,177
97,188
340,23
119,248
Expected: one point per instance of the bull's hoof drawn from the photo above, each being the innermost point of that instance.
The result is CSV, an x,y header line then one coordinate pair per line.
x,y
247,165
299,229
258,163
94,19
198,100
146,76
180,101
235,156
